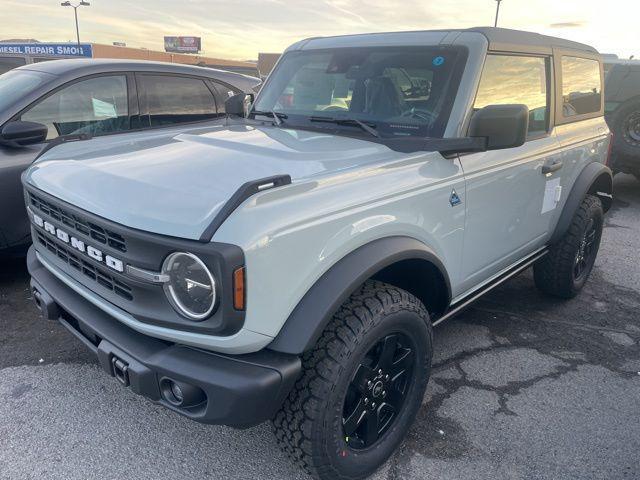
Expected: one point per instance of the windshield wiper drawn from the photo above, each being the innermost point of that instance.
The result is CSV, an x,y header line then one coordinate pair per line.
x,y
277,116
370,129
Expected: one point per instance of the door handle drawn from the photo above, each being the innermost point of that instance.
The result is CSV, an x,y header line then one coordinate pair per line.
x,y
554,167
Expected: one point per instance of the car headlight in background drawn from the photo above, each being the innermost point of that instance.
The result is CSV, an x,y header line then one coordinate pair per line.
x,y
191,288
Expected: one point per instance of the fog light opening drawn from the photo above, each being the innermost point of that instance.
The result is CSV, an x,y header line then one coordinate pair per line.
x,y
180,394
176,391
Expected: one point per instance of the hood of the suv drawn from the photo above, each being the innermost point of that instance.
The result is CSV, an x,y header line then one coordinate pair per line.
x,y
174,182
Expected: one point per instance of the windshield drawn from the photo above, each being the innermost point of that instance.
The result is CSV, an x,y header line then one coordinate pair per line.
x,y
400,91
16,84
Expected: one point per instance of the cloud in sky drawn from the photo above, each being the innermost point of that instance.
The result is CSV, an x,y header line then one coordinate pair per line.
x,y
240,29
567,25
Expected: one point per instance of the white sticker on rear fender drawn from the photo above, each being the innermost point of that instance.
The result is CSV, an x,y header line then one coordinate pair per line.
x,y
552,193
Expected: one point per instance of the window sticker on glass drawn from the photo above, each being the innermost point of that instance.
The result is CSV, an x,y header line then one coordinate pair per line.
x,y
103,109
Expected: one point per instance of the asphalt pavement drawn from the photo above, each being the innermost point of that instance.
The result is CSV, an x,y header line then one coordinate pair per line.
x,y
524,387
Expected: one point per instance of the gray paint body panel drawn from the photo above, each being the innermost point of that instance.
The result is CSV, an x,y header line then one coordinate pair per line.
x,y
345,192
161,193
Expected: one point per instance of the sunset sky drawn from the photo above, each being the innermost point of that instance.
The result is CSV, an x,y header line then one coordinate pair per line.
x,y
240,29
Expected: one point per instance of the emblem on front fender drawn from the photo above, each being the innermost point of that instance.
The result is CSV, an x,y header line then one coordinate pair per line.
x,y
454,199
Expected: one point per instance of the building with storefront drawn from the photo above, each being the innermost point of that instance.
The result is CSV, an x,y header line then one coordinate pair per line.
x,y
15,53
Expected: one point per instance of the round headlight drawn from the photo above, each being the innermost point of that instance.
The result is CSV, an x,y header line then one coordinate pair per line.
x,y
191,288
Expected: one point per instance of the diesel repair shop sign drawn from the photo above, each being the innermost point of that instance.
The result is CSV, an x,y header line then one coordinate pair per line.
x,y
47,49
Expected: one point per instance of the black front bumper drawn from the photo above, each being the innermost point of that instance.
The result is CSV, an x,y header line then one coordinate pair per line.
x,y
235,390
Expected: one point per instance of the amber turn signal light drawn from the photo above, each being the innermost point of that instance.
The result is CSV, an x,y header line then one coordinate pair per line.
x,y
238,289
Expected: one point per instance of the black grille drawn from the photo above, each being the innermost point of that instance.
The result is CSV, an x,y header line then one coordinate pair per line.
x,y
94,273
79,224
146,302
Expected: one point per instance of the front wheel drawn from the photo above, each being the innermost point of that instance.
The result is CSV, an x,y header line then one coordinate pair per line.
x,y
566,268
361,387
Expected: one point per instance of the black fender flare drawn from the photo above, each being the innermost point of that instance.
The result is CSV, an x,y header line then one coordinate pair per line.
x,y
311,315
595,178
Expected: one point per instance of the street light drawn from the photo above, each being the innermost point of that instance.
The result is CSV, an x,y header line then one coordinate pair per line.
x,y
75,11
497,12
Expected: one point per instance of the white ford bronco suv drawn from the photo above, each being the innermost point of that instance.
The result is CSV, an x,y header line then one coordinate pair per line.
x,y
289,262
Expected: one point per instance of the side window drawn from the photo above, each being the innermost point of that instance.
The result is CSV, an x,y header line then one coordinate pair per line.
x,y
95,106
514,79
581,86
222,93
173,99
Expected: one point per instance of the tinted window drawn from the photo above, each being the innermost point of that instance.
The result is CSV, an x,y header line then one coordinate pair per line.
x,y
581,86
17,83
177,99
522,80
404,91
95,106
9,63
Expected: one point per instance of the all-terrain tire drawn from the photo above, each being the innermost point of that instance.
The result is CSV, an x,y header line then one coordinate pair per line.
x,y
309,426
557,272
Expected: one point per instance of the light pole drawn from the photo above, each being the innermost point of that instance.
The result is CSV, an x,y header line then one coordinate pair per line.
x,y
497,12
75,12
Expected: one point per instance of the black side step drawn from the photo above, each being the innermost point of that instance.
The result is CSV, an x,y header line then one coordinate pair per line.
x,y
465,303
245,191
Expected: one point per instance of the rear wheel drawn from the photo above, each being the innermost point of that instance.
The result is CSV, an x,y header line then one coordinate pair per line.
x,y
566,268
361,387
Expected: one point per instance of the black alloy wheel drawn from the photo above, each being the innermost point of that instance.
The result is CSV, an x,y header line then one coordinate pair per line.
x,y
377,391
362,385
565,269
587,250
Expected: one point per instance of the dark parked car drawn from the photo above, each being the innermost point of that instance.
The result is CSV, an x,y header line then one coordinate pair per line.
x,y
623,113
45,103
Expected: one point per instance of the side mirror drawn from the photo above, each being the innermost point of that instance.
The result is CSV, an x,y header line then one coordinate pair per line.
x,y
238,105
21,134
504,126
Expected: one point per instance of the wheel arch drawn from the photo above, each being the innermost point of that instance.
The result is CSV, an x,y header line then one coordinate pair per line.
x,y
595,179
397,260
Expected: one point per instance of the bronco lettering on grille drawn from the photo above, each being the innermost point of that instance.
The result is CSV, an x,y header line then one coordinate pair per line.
x,y
79,245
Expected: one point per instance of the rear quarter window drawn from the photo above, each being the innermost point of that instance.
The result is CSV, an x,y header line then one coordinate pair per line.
x,y
581,86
